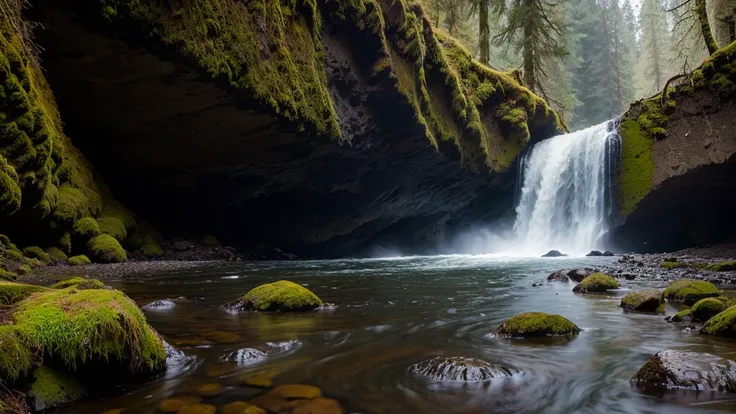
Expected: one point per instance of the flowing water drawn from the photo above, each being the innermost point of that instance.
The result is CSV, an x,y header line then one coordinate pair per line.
x,y
565,202
391,313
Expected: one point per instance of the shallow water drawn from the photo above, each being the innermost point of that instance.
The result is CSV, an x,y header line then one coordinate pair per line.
x,y
389,314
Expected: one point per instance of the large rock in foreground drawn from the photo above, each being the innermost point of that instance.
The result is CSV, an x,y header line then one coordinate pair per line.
x,y
648,300
596,283
673,370
536,324
689,291
461,369
278,296
723,324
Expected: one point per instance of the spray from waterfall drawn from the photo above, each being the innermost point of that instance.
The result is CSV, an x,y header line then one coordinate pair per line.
x,y
566,196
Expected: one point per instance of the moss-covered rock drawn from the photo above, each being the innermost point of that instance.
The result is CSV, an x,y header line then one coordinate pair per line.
x,y
56,255
79,283
150,247
87,228
726,266
11,292
278,296
107,249
595,283
79,260
52,388
722,324
35,252
15,356
689,291
681,315
7,275
536,324
707,308
77,326
648,300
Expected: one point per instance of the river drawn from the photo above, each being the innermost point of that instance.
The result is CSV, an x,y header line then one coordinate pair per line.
x,y
388,314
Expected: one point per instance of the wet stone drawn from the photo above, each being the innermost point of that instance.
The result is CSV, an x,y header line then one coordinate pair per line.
x,y
221,337
241,407
198,409
159,305
674,370
244,356
297,391
209,390
175,404
217,370
318,406
461,369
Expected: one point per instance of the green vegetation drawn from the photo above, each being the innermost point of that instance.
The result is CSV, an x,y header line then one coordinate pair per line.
x,y
597,282
11,292
15,357
55,388
106,249
636,168
535,324
281,296
79,283
56,255
723,324
690,291
87,228
727,266
705,309
673,265
7,275
80,260
682,315
35,252
107,322
150,247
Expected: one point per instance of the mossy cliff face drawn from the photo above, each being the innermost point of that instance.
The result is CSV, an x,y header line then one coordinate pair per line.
x,y
675,181
318,127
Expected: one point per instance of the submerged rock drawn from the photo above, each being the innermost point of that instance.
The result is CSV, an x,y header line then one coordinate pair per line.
x,y
245,356
159,305
559,276
689,291
673,370
461,369
278,296
594,253
722,324
554,253
596,283
536,324
707,308
648,300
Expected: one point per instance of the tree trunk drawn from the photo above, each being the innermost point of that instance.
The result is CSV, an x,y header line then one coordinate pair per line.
x,y
484,33
529,75
710,41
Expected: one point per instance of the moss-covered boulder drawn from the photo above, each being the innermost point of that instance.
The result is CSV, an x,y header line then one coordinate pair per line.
x,y
86,228
15,357
79,283
681,316
11,292
536,324
648,300
7,275
278,296
722,324
595,283
35,252
727,266
707,308
52,388
689,291
106,249
56,255
80,260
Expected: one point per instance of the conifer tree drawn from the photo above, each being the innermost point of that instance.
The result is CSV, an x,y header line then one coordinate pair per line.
x,y
654,52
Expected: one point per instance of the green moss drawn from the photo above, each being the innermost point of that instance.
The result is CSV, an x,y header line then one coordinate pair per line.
x,y
36,252
75,326
722,324
636,168
722,85
597,282
56,255
10,193
673,265
65,242
25,269
150,247
281,296
79,260
210,240
15,357
722,266
649,300
7,275
86,227
55,388
536,324
72,204
106,249
705,309
690,291
113,226
11,292
79,283
682,315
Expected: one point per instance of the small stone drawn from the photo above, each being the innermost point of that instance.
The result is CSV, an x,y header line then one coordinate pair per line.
x,y
648,300
241,407
261,382
245,356
159,305
175,404
209,390
221,337
297,391
218,370
318,406
273,403
198,409
596,283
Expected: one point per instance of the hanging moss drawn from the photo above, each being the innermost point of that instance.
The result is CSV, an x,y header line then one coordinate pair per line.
x,y
65,242
15,357
55,388
106,249
112,226
636,168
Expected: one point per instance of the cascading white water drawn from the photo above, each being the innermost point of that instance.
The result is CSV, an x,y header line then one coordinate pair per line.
x,y
565,201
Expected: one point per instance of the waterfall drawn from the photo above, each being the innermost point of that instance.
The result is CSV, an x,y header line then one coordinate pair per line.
x,y
565,202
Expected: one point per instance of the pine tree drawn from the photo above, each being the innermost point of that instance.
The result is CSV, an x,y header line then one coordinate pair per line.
x,y
688,47
482,8
629,50
654,52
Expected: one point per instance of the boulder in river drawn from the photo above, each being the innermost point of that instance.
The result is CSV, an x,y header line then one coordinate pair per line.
x,y
461,369
536,324
648,300
559,276
681,316
594,253
159,305
723,324
707,308
689,291
576,275
277,296
554,253
608,253
674,370
595,283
